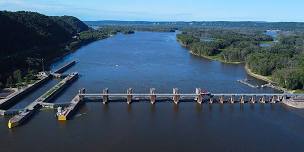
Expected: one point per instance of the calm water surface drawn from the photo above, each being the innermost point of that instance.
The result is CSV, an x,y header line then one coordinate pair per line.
x,y
146,60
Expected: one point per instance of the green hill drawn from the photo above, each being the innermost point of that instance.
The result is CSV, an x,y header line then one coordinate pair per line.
x,y
27,37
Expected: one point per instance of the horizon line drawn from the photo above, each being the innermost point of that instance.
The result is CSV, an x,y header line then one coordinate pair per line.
x,y
164,21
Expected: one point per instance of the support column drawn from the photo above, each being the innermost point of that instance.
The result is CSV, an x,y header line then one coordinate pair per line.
x,y
242,100
231,99
278,98
210,100
199,97
273,99
129,96
284,97
152,95
105,97
252,99
221,99
81,91
176,96
262,99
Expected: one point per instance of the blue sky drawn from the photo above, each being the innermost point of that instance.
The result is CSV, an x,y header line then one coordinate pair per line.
x,y
166,10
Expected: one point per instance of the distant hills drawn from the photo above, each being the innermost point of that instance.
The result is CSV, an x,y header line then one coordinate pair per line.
x,y
207,24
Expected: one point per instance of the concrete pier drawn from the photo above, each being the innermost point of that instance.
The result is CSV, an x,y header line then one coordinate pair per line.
x,y
15,97
129,95
10,112
242,100
231,99
65,67
54,105
152,96
252,99
71,109
105,97
26,113
221,99
263,99
199,97
210,100
273,99
176,96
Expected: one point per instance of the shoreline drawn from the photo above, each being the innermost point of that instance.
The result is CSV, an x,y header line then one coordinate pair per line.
x,y
214,58
247,69
257,76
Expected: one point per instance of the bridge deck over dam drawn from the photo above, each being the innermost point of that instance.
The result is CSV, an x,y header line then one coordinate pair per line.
x,y
199,96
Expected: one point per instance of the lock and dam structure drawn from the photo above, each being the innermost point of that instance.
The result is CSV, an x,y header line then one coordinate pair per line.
x,y
67,109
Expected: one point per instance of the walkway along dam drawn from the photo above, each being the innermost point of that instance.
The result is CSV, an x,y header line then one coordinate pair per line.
x,y
65,111
175,97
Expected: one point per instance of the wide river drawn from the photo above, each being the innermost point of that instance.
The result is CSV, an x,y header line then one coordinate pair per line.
x,y
155,60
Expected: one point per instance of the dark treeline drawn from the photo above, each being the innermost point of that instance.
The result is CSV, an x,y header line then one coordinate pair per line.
x,y
28,39
283,59
131,28
206,24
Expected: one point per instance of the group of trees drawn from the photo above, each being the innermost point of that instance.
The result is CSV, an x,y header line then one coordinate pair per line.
x,y
230,45
18,80
283,60
129,29
30,35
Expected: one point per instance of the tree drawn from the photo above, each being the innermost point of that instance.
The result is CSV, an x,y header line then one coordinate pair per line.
x,y
9,82
17,76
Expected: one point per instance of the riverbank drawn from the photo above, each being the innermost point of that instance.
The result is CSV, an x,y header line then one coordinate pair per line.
x,y
257,76
215,58
247,69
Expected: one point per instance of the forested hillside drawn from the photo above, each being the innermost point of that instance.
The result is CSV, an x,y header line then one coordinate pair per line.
x,y
281,59
27,38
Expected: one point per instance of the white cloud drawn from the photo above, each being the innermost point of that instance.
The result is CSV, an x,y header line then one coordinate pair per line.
x,y
17,5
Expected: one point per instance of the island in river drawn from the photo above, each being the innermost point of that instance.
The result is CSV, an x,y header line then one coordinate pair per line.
x,y
281,63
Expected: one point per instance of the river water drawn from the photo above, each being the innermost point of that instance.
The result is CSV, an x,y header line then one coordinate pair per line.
x,y
142,61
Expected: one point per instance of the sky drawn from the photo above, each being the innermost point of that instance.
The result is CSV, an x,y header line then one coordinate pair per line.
x,y
165,10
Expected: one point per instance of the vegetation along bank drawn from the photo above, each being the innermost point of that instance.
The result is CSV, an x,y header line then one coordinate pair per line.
x,y
280,61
